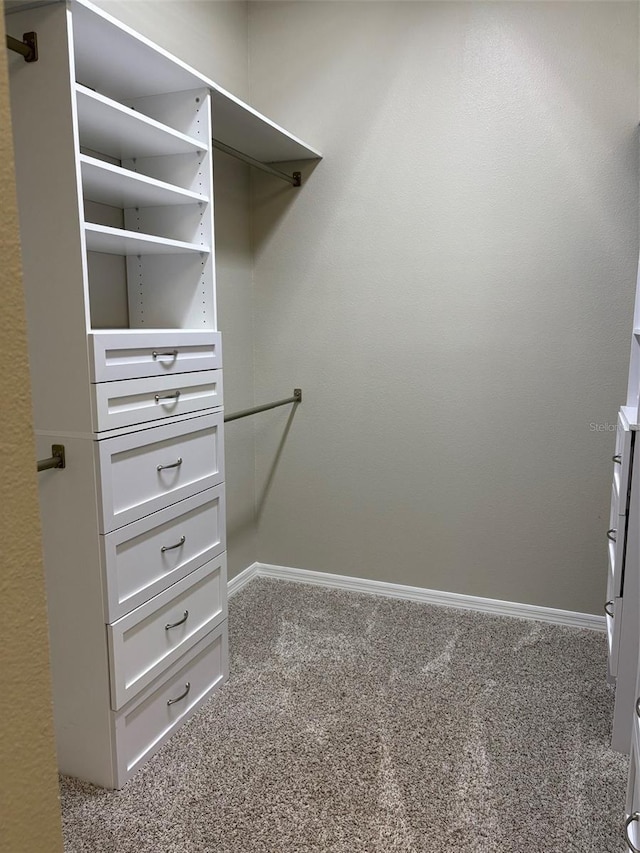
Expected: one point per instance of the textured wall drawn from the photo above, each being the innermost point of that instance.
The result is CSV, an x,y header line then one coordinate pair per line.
x,y
30,821
212,37
452,289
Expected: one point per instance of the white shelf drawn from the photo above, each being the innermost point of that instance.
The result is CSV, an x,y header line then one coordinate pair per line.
x,y
117,241
123,133
123,188
142,68
630,413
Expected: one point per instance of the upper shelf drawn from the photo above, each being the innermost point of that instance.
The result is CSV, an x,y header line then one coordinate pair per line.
x,y
121,132
118,62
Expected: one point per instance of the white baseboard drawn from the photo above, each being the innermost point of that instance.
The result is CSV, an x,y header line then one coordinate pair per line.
x,y
241,580
414,593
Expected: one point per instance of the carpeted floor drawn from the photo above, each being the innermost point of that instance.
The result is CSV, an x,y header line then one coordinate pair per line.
x,y
356,724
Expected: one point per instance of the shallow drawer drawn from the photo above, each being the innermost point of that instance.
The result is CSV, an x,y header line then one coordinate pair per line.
x,y
145,471
142,728
622,462
146,641
135,401
130,355
613,615
143,558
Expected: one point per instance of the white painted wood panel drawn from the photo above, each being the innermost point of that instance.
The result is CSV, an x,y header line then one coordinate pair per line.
x,y
143,472
107,184
146,641
142,727
119,241
132,354
127,402
140,559
120,132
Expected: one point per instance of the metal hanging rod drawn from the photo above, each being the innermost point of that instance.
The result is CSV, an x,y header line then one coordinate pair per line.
x,y
56,460
28,47
297,398
295,179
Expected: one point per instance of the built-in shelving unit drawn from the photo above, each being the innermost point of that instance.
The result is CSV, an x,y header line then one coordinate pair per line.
x,y
113,141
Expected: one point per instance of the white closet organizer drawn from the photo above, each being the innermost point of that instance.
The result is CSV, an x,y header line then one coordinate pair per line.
x,y
113,141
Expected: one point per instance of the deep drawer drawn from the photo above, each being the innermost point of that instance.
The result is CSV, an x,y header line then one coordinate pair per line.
x,y
143,558
613,611
146,641
134,401
616,542
145,471
130,355
142,728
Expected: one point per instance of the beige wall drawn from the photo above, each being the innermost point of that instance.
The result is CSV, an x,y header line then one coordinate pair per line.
x,y
452,289
30,817
211,36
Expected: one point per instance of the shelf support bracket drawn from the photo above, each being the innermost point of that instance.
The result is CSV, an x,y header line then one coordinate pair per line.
x,y
28,47
295,179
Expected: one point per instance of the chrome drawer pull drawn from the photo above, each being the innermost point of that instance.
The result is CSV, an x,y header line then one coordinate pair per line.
x,y
175,396
164,548
611,534
187,688
173,354
633,817
608,608
173,465
175,624
617,458
638,706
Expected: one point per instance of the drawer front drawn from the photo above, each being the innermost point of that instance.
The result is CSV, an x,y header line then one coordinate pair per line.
x,y
145,471
129,402
142,729
616,542
613,616
146,641
622,462
131,355
632,828
141,559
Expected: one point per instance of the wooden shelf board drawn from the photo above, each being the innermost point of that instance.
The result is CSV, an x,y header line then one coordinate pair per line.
x,y
122,188
117,241
121,132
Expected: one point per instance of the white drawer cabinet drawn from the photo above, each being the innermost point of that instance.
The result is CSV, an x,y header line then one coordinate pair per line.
x,y
132,355
145,557
144,725
144,642
145,471
128,402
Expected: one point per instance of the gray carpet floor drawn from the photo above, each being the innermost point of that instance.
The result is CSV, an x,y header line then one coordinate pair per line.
x,y
357,724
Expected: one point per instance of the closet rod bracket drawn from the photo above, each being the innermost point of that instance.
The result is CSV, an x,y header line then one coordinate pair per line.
x,y
28,47
297,179
56,460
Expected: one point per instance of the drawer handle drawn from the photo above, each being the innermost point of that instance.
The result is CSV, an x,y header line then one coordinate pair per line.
x,y
175,624
187,688
173,465
164,548
633,817
617,458
175,396
638,706
611,534
608,608
173,354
